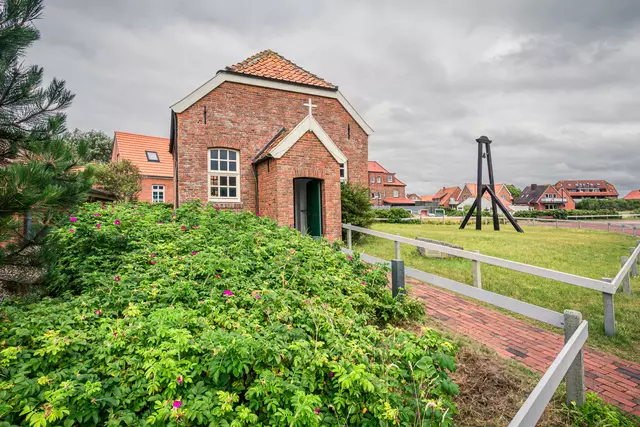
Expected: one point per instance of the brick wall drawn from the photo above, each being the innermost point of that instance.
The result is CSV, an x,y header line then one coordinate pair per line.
x,y
245,118
145,194
308,158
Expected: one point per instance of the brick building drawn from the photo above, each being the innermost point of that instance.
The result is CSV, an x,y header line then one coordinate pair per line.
x,y
151,155
267,136
385,188
588,189
470,191
446,197
540,197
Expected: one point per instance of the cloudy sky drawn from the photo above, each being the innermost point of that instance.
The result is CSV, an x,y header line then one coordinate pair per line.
x,y
553,83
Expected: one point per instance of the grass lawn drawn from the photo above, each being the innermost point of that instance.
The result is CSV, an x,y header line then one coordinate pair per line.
x,y
586,253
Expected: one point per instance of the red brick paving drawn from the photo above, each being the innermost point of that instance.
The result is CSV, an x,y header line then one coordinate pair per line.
x,y
615,380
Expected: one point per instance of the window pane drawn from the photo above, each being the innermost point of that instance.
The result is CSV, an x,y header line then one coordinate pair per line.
x,y
214,154
223,191
223,180
214,165
214,179
232,192
223,165
232,181
232,155
214,191
232,166
223,154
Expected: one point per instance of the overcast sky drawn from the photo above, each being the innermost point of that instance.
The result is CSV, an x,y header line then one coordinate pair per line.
x,y
553,83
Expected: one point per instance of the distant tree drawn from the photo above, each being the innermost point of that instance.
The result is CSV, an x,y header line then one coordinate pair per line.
x,y
98,144
121,178
515,191
356,206
40,175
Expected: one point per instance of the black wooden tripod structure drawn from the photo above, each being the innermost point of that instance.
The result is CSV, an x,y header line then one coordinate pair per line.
x,y
484,143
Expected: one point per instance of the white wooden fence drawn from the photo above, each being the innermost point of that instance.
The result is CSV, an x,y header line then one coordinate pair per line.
x,y
568,365
608,287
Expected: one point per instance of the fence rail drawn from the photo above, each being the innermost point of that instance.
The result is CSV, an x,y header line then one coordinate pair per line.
x,y
607,287
568,365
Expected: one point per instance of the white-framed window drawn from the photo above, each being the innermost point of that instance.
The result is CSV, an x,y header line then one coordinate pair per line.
x,y
395,193
379,180
379,195
373,195
343,172
157,193
373,179
390,178
224,175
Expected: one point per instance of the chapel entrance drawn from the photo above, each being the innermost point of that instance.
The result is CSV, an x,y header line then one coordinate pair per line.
x,y
307,206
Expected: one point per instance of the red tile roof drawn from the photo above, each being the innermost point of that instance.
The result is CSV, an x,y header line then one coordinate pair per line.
x,y
633,195
376,167
588,184
271,65
398,201
396,182
132,147
427,198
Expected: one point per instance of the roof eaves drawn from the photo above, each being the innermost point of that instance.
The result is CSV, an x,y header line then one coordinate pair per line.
x,y
259,157
253,76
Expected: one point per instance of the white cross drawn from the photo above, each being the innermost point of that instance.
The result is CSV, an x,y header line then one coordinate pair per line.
x,y
310,105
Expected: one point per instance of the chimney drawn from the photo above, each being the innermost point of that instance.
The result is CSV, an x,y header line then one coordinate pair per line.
x,y
534,186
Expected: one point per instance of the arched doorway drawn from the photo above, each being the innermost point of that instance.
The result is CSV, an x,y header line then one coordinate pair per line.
x,y
307,206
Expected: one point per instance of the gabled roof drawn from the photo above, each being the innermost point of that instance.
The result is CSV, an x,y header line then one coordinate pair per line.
x,y
396,182
284,140
427,198
584,184
633,195
446,192
270,70
271,65
133,147
531,194
474,187
376,167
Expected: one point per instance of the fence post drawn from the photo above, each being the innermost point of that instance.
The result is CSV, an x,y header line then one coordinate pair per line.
x,y
397,250
609,227
634,231
556,222
579,226
622,228
349,241
626,279
477,276
397,278
634,265
575,375
609,312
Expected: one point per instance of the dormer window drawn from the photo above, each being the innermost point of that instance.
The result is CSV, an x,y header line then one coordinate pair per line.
x,y
389,178
152,156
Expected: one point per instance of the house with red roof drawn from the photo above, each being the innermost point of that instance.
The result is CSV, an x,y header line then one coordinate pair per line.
x,y
150,154
633,195
446,197
541,197
385,187
470,191
267,136
588,189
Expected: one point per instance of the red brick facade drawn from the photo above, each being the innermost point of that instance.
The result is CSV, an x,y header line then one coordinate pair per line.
x,y
385,188
245,118
147,185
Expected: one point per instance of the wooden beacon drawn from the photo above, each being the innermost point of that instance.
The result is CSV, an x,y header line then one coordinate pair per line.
x,y
484,151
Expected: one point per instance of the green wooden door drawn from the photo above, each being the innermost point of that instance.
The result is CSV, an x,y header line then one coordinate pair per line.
x,y
314,208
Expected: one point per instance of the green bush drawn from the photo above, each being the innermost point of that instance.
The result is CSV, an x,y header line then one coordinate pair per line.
x,y
394,215
208,317
561,214
608,204
356,206
597,413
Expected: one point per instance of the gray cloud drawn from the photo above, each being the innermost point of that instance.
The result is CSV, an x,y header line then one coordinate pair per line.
x,y
552,83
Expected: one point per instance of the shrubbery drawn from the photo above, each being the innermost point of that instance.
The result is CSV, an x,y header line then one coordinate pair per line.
x,y
597,413
561,214
356,207
207,317
608,204
393,215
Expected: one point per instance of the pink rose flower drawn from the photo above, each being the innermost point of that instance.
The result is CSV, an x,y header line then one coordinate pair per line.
x,y
117,278
153,263
364,283
193,253
116,222
183,228
73,219
71,230
98,312
257,296
179,379
195,227
98,226
177,404
317,410
227,293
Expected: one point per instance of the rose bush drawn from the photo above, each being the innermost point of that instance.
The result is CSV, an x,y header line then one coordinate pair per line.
x,y
209,317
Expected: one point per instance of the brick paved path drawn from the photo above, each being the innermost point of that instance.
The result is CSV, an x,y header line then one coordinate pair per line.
x,y
615,380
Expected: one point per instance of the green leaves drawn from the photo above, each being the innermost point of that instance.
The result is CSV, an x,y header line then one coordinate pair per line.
x,y
301,341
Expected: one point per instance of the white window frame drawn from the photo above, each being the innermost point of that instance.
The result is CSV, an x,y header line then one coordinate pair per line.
x,y
378,195
157,188
373,195
396,193
222,173
373,179
379,180
343,172
390,178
